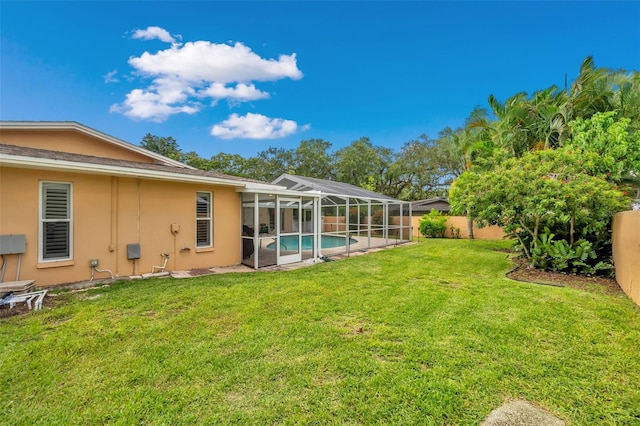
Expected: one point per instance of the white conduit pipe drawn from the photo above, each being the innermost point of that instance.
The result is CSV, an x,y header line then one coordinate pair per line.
x,y
165,257
4,263
93,268
19,263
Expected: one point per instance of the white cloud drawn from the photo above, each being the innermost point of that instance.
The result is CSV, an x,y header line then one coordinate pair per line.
x,y
180,77
151,33
205,61
255,126
110,77
150,106
241,92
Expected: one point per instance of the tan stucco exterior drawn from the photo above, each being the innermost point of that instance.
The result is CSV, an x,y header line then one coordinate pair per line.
x,y
111,207
111,212
626,252
460,222
70,141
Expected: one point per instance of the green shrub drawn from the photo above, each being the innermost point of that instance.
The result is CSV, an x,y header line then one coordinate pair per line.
x,y
433,225
560,256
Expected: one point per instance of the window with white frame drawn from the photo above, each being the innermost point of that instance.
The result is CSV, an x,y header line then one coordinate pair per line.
x,y
56,221
203,220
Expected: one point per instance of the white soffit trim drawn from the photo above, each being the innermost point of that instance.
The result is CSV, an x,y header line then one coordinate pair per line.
x,y
73,125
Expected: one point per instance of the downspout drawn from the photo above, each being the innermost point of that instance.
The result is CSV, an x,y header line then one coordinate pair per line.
x,y
256,230
138,213
113,243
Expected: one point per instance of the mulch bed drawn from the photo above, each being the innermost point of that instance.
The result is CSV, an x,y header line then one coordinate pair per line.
x,y
523,272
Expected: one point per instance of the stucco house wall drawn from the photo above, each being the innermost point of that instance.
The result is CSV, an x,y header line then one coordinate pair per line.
x,y
120,195
111,212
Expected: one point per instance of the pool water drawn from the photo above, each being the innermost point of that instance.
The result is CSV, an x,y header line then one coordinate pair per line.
x,y
290,242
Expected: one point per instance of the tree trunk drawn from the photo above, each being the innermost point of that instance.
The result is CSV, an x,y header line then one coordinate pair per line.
x,y
571,230
469,227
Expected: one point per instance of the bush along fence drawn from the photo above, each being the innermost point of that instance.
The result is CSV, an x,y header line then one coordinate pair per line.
x,y
456,227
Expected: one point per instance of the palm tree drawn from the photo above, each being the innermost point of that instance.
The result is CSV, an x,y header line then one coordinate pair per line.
x,y
590,92
601,90
464,146
626,97
511,127
548,118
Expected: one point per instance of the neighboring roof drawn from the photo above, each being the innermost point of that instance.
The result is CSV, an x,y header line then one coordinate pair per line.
x,y
18,156
327,187
425,206
74,126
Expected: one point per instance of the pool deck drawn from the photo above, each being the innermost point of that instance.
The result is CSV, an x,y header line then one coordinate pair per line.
x,y
267,257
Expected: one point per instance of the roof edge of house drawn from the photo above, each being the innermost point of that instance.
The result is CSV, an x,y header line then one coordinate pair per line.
x,y
111,170
75,126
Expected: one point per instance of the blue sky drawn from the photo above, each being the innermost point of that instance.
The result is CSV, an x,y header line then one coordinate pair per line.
x,y
238,77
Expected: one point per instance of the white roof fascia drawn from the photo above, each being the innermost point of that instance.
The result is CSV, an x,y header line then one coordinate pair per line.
x,y
73,125
277,190
102,169
379,200
310,183
258,187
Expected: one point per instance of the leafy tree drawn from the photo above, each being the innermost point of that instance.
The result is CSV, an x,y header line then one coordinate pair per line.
x,y
417,172
601,90
542,189
360,164
617,152
192,159
460,148
541,121
464,146
166,146
230,164
269,164
311,159
525,123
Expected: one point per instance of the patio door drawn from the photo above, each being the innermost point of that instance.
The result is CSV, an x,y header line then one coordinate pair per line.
x,y
289,236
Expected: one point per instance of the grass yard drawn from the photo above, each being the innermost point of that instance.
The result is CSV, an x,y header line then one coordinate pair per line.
x,y
430,333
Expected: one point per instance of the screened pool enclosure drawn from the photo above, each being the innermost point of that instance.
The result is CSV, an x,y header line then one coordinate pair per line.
x,y
311,218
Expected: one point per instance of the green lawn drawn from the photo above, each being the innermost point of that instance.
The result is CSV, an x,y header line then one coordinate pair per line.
x,y
429,333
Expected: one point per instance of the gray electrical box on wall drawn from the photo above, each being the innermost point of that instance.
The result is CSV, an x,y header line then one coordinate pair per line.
x,y
133,251
13,244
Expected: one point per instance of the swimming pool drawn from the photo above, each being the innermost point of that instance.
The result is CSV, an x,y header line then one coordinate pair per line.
x,y
290,242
